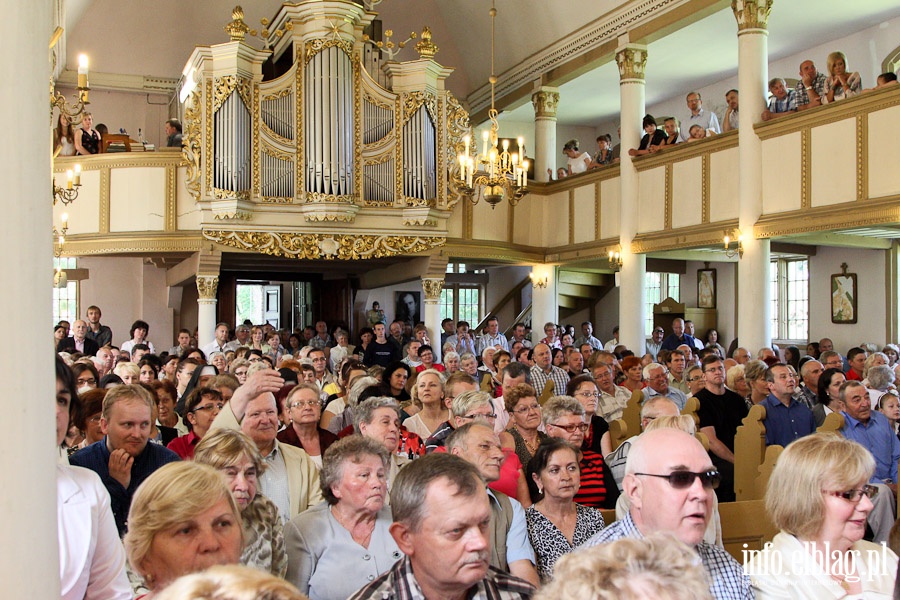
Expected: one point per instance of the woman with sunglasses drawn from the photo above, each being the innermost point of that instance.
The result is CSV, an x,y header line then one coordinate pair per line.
x,y
564,419
819,497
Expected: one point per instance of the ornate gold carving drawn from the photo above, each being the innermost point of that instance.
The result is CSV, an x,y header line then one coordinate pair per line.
x,y
191,139
220,194
667,219
432,288
208,128
457,128
232,215
237,29
398,152
276,95
805,163
545,104
319,197
356,58
704,190
598,204
422,221
104,243
707,234
276,199
862,157
254,149
380,159
408,201
823,218
276,154
207,286
171,213
315,46
412,102
751,14
228,83
315,246
301,164
425,47
632,61
320,217
368,97
104,200
440,167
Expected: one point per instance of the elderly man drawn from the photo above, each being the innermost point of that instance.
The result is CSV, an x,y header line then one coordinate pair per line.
x,y
587,337
730,120
654,344
79,342
741,355
544,371
657,378
721,412
511,551
220,342
613,398
320,366
653,408
291,479
241,338
783,102
811,87
810,371
670,484
872,429
123,458
678,336
705,119
518,335
492,338
787,419
466,403
323,340
96,331
442,516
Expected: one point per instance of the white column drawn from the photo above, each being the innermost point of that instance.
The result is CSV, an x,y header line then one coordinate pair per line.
x,y
544,100
632,60
544,307
30,565
206,308
753,269
431,288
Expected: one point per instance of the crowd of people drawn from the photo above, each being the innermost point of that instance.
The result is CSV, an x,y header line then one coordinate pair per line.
x,y
371,469
85,140
812,89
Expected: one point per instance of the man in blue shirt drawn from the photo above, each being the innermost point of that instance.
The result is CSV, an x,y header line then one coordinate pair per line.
x,y
872,430
678,336
786,418
123,458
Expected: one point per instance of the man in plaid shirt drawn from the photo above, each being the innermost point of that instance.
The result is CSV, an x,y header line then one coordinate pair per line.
x,y
783,102
811,87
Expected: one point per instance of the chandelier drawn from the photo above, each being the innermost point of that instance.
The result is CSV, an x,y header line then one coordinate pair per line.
x,y
495,173
72,113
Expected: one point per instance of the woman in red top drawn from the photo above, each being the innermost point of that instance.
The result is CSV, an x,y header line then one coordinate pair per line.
x,y
426,355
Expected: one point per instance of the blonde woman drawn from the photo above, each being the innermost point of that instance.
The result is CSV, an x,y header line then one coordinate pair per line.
x,y
429,393
840,83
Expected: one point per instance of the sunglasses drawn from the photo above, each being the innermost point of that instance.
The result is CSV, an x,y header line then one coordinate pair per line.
x,y
681,480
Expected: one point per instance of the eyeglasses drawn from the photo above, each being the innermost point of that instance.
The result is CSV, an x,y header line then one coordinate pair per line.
x,y
215,406
693,379
869,491
88,381
299,403
94,419
582,427
480,416
587,394
714,369
681,480
525,409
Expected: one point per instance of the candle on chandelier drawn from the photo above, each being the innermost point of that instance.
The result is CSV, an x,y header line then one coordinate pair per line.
x,y
82,71
77,174
69,176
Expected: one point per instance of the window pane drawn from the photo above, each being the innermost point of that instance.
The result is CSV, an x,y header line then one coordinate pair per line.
x,y
674,280
652,283
65,300
249,303
469,304
447,304
773,290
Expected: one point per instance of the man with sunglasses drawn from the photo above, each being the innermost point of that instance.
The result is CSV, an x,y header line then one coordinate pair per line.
x,y
872,429
670,483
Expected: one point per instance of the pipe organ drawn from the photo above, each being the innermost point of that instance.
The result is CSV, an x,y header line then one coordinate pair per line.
x,y
325,138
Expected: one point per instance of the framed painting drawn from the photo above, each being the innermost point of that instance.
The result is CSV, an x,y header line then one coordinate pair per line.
x,y
706,288
407,306
843,297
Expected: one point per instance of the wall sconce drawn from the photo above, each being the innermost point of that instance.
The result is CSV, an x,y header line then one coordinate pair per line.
x,y
69,193
539,282
739,250
615,259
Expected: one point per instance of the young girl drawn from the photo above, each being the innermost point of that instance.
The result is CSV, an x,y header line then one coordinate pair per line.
x,y
889,406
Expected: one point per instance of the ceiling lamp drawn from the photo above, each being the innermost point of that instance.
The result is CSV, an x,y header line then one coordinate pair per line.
x,y
495,173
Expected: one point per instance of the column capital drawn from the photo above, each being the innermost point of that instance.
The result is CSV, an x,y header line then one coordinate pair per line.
x,y
751,14
632,60
544,101
207,286
432,287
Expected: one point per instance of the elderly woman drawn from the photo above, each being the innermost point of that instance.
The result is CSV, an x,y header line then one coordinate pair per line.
x,y
235,455
755,379
341,545
230,582
819,497
828,395
128,371
584,389
200,410
183,519
469,363
736,380
379,419
873,360
451,362
525,418
556,524
304,410
359,387
428,393
217,359
564,418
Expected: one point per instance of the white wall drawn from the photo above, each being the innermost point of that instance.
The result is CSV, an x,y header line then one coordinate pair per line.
x,y
869,265
725,288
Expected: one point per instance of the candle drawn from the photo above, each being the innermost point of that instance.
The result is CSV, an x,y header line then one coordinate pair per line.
x,y
65,220
77,174
69,176
82,71
521,141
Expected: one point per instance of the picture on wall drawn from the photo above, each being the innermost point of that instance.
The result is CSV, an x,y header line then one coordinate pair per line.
x,y
843,296
706,288
407,307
